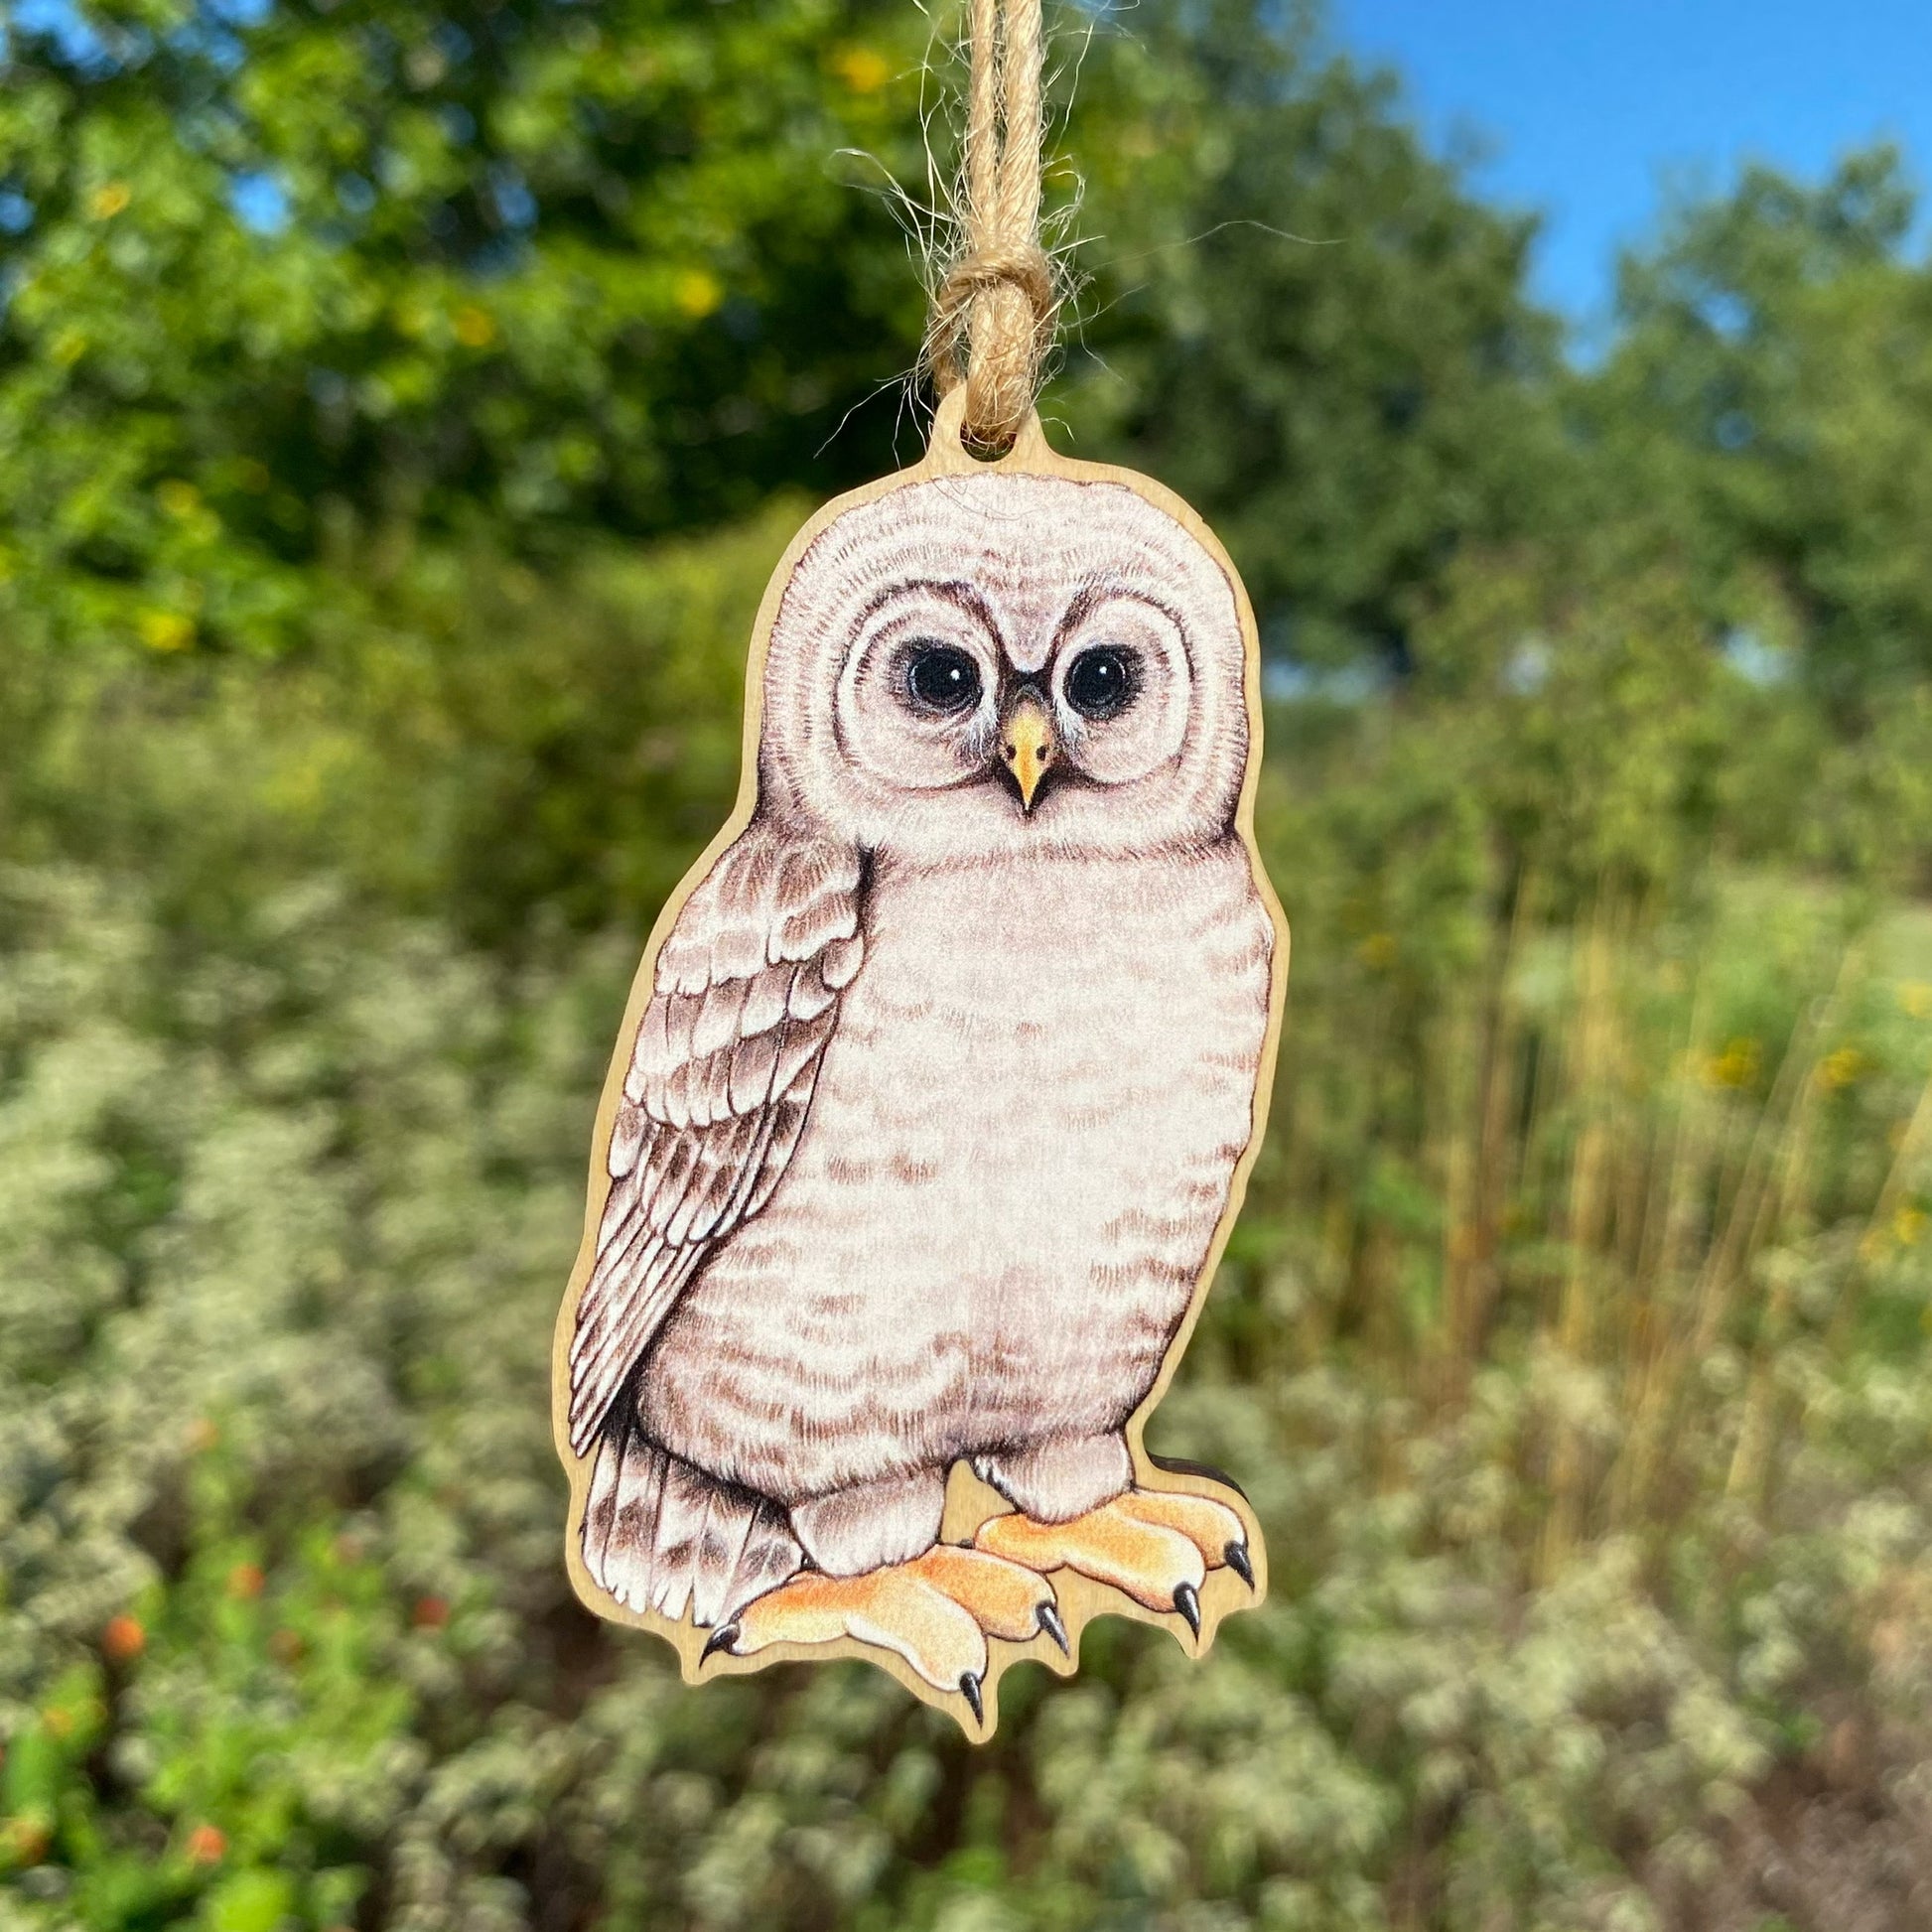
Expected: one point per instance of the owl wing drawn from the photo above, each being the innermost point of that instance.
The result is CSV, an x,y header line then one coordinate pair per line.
x,y
745,996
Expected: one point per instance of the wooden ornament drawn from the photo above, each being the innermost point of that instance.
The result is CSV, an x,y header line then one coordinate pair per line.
x,y
934,1102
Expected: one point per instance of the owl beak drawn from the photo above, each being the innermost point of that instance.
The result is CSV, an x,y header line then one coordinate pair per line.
x,y
1026,743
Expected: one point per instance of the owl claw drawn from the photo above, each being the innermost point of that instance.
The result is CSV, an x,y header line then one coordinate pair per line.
x,y
1156,1547
936,1612
1186,1599
1050,1621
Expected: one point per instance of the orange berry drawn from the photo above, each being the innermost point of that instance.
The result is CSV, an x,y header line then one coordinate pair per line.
x,y
431,1612
207,1844
123,1639
245,1580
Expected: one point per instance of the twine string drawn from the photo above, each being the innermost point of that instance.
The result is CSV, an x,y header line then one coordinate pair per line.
x,y
992,320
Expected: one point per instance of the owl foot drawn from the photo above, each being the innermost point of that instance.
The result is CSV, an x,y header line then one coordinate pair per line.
x,y
936,1611
1155,1546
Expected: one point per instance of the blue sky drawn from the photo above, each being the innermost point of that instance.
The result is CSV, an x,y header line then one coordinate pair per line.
x,y
1590,105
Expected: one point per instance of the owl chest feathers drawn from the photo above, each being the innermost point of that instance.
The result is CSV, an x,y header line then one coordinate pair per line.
x,y
1023,1138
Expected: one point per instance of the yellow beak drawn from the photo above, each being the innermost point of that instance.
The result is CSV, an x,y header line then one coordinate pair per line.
x,y
1027,746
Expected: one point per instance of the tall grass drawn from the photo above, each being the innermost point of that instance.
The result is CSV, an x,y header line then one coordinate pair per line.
x,y
1656,1165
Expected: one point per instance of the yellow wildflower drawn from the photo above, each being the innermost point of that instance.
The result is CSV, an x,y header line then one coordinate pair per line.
x,y
473,326
697,293
165,630
1735,1066
863,68
1840,1069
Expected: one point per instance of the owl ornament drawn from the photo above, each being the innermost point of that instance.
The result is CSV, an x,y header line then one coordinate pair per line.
x,y
934,1102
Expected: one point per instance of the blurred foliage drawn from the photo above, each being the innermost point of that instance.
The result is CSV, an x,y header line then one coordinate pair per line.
x,y
472,751
296,286
1774,362
281,276
400,410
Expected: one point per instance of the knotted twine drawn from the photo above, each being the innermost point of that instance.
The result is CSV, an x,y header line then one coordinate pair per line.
x,y
992,320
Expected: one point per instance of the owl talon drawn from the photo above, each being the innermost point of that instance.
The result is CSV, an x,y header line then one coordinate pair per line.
x,y
1186,1599
1050,1621
1153,1546
936,1612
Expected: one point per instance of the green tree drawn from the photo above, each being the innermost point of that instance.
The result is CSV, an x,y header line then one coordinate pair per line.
x,y
278,276
290,287
1762,417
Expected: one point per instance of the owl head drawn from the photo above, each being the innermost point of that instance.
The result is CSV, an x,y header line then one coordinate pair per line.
x,y
980,665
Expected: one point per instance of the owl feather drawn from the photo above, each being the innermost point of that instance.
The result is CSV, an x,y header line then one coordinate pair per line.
x,y
721,1078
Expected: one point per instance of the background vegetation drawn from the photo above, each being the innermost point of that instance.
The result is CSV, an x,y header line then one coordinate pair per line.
x,y
400,407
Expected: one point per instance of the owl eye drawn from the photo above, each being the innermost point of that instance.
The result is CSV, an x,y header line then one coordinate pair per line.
x,y
942,678
1101,683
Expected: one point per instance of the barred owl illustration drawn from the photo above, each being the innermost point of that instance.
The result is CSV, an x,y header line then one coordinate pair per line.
x,y
936,1107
